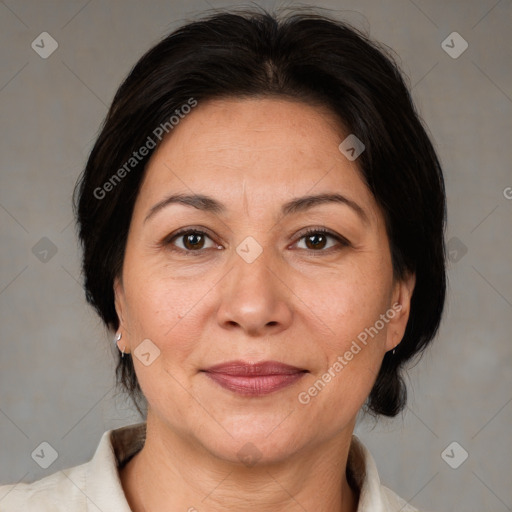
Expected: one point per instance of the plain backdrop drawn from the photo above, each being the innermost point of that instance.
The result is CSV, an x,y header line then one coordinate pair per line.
x,y
57,361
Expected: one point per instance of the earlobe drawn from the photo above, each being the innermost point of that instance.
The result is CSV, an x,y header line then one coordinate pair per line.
x,y
119,305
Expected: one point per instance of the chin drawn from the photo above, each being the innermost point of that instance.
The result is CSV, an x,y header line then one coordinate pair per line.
x,y
255,449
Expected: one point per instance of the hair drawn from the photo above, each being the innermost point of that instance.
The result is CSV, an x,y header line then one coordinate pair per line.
x,y
302,56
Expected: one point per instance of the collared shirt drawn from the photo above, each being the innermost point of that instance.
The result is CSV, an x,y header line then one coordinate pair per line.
x,y
96,486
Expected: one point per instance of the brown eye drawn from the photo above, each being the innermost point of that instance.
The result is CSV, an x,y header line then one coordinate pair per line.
x,y
319,240
191,241
316,241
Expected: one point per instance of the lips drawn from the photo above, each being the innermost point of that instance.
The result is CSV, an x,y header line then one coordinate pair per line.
x,y
254,379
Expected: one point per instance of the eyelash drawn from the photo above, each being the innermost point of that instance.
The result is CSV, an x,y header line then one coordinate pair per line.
x,y
168,241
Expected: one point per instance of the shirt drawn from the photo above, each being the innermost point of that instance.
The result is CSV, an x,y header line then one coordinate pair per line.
x,y
95,486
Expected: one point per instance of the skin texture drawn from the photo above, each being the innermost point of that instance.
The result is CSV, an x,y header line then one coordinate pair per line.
x,y
298,303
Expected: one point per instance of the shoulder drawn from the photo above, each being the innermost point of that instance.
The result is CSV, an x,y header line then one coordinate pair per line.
x,y
94,485
373,495
58,492
394,502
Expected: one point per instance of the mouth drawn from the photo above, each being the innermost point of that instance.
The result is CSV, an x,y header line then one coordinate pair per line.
x,y
254,379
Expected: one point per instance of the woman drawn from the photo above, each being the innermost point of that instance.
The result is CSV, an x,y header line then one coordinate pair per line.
x,y
262,221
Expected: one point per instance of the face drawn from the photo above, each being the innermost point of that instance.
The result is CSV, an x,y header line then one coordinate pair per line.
x,y
256,273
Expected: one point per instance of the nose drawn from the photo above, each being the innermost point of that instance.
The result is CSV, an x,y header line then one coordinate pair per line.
x,y
254,299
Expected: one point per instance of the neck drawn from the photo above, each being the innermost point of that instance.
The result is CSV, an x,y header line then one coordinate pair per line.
x,y
171,473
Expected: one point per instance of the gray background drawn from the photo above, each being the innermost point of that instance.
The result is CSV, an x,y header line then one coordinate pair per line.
x,y
56,360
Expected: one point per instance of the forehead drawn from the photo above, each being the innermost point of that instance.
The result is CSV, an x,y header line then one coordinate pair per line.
x,y
265,148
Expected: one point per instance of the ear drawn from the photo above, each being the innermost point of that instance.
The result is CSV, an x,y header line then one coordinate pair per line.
x,y
401,305
119,300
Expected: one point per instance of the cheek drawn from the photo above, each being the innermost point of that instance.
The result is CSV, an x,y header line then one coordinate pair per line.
x,y
351,305
347,304
165,313
170,313
158,302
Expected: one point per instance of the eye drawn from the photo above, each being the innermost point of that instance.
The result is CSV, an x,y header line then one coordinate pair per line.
x,y
196,241
321,240
191,240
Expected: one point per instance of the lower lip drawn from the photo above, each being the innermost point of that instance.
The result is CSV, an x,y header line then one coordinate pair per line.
x,y
255,385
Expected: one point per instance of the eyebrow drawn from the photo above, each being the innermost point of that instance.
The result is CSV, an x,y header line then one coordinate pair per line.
x,y
300,204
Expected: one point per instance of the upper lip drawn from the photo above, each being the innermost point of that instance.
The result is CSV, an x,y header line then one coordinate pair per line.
x,y
248,369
